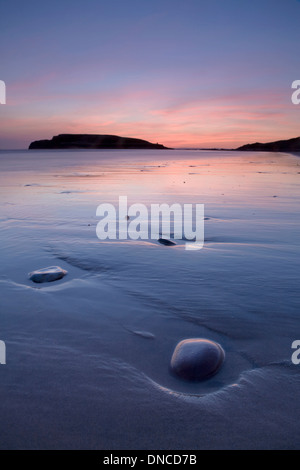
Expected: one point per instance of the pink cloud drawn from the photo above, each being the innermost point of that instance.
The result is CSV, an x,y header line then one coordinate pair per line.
x,y
151,113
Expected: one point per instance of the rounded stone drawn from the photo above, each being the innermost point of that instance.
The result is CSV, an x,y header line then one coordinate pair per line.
x,y
197,359
166,242
50,274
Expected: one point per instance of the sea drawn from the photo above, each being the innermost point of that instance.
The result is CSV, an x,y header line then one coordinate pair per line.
x,y
86,362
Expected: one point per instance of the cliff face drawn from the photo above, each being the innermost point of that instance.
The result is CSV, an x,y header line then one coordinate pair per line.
x,y
291,145
93,141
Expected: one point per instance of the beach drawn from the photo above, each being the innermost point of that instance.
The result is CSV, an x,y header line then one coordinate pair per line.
x,y
88,356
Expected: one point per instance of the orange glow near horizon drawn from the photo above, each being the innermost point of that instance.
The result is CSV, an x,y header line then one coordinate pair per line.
x,y
227,120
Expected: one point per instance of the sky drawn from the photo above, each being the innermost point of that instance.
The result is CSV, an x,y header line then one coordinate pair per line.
x,y
192,73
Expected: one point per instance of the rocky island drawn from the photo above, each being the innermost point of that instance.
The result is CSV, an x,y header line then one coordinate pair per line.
x,y
93,141
291,145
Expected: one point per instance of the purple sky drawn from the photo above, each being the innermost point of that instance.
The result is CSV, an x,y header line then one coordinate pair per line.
x,y
182,73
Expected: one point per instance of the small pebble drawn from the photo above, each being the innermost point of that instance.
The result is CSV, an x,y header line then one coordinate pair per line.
x,y
50,274
166,242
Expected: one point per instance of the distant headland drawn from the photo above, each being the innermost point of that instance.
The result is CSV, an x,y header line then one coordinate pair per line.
x,y
291,145
93,141
103,141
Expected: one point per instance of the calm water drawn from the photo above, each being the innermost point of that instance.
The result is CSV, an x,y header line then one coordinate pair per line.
x,y
79,374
